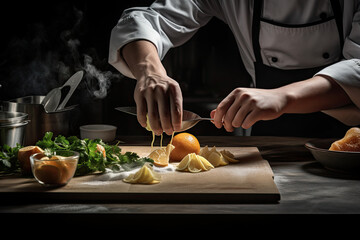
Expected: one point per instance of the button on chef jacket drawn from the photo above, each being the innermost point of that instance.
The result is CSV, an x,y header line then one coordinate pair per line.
x,y
170,23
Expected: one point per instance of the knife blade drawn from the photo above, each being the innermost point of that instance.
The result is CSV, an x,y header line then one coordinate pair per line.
x,y
129,110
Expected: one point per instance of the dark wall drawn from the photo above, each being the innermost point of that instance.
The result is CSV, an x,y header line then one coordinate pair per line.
x,y
44,42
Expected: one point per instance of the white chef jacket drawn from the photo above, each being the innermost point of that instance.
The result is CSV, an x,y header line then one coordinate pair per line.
x,y
296,32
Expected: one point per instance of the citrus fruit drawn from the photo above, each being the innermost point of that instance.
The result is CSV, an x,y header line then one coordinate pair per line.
x,y
145,175
194,163
48,173
161,155
184,144
24,157
229,156
213,156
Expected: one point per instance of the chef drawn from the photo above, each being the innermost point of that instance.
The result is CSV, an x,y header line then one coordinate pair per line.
x,y
303,57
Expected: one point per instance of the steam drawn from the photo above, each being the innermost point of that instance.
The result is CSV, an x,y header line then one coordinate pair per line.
x,y
36,66
103,78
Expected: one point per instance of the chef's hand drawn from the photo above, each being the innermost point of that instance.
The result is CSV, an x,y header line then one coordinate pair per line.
x,y
156,94
245,106
161,99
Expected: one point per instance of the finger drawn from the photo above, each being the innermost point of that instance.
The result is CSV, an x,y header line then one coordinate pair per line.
x,y
251,118
164,110
212,115
221,110
153,115
141,111
140,101
230,115
241,114
176,107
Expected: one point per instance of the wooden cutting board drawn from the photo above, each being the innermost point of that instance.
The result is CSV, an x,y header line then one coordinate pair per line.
x,y
249,181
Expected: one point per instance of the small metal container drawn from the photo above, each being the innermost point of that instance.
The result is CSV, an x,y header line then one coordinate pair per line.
x,y
58,122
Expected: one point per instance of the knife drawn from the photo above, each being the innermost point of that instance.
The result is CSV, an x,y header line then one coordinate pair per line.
x,y
129,110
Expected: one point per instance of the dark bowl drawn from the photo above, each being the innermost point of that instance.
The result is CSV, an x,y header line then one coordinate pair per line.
x,y
334,160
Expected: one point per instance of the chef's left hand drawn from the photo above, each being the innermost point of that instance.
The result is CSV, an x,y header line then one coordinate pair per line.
x,y
245,106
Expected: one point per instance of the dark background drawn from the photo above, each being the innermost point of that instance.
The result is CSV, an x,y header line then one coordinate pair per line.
x,y
35,58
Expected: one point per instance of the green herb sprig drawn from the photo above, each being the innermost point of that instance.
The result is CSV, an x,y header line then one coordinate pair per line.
x,y
90,160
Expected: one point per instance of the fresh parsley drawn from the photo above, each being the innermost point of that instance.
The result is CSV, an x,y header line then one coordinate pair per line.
x,y
8,158
90,159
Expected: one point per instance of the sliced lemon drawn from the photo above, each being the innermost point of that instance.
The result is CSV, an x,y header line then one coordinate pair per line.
x,y
161,155
229,156
194,163
145,175
213,156
217,159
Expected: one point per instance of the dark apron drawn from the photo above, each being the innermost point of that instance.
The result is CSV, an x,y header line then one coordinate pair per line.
x,y
298,125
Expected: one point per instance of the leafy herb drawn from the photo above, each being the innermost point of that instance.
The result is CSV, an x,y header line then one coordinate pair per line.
x,y
91,159
8,158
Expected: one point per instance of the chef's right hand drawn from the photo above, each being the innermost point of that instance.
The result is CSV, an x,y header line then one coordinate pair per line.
x,y
159,97
156,94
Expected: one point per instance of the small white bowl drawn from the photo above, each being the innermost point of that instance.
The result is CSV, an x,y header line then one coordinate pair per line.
x,y
98,131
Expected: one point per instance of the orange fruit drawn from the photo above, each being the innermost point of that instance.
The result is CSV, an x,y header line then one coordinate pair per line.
x,y
48,173
24,158
184,144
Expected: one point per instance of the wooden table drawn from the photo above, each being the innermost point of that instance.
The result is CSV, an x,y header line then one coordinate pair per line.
x,y
308,191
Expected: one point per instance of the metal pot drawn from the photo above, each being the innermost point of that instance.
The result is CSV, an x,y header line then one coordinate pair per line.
x,y
13,133
7,118
58,122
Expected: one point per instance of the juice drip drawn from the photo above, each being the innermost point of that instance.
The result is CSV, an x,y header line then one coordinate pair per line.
x,y
172,136
152,142
161,140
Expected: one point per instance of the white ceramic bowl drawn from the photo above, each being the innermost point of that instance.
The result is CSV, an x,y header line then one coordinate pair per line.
x,y
98,131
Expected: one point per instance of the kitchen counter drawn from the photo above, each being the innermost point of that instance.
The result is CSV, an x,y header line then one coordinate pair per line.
x,y
308,192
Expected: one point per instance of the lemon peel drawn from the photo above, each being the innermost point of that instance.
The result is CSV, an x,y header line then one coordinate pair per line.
x,y
145,175
215,157
194,163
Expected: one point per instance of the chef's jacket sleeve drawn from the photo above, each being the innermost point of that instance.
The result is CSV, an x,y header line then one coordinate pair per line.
x,y
347,74
165,23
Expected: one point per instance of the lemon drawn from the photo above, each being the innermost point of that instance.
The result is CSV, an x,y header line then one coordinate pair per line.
x,y
194,163
161,155
213,156
145,175
229,156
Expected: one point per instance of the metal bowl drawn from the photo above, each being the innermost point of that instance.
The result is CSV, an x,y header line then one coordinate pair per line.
x,y
334,160
7,118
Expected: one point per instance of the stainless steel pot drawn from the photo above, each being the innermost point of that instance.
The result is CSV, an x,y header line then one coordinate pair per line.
x,y
13,133
7,118
40,122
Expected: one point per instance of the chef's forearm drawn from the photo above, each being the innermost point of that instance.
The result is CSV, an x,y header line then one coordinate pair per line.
x,y
142,59
315,94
